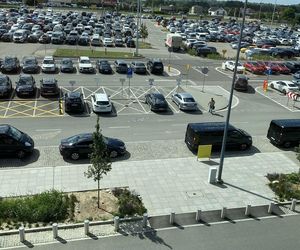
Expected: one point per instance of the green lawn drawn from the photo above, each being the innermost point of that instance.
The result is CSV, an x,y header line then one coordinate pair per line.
x,y
144,45
94,53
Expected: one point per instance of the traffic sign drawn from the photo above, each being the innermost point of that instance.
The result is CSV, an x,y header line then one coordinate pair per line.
x,y
269,71
151,81
129,72
204,70
72,82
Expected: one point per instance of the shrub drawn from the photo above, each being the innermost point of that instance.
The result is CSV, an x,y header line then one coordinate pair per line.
x,y
215,56
192,52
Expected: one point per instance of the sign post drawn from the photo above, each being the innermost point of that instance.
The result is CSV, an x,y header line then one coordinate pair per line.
x,y
151,82
129,76
204,71
178,80
170,49
72,83
188,67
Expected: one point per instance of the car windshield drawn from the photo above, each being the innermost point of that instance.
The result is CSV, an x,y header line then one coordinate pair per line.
x,y
66,62
48,62
14,133
292,85
140,64
29,61
25,81
189,99
3,81
84,61
73,139
9,60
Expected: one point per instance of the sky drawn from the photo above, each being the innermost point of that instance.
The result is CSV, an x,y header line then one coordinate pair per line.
x,y
284,2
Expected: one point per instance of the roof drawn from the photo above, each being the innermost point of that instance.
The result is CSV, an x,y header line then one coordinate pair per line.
x,y
48,58
209,126
4,128
101,97
84,58
185,95
215,8
287,122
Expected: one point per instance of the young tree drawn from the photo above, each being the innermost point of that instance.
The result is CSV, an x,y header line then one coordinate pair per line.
x,y
100,161
144,31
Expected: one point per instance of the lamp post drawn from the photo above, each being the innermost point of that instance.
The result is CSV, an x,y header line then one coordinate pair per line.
x,y
222,156
273,12
138,26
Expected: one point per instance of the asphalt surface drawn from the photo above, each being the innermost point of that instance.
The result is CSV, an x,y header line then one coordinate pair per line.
x,y
269,234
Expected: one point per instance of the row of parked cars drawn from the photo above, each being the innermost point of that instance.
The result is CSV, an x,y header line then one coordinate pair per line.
x,y
67,28
14,142
30,65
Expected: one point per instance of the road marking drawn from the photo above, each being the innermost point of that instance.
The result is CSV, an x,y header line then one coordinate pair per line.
x,y
199,71
50,129
120,127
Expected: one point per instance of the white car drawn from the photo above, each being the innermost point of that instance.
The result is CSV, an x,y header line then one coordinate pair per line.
x,y
85,65
108,42
48,64
101,103
283,86
230,65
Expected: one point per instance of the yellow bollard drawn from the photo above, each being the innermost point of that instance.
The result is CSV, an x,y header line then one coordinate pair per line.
x,y
61,112
169,68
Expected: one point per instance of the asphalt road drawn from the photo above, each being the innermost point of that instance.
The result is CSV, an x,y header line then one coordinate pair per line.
x,y
267,234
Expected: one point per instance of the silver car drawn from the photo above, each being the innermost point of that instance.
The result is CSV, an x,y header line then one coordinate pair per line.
x,y
184,101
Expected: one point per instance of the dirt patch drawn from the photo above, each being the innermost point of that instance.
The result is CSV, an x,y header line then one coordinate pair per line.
x,y
86,206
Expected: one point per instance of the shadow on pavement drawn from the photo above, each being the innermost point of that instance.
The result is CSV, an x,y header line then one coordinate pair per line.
x,y
28,244
61,240
92,236
14,162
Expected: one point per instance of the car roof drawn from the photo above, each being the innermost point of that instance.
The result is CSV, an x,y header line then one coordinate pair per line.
x,y
287,122
48,80
84,58
185,95
48,58
74,94
101,97
209,126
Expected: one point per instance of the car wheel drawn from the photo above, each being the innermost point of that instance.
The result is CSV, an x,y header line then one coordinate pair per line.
x,y
21,154
243,146
74,156
113,154
287,144
284,92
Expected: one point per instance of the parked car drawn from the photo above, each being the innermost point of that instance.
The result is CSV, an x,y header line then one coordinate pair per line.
x,y
67,66
281,52
14,142
49,65
85,65
10,65
283,69
283,86
49,87
254,67
108,42
121,66
25,86
5,86
104,66
231,64
138,67
241,83
130,43
156,101
101,103
79,145
74,102
45,39
294,66
184,101
30,65
155,66
204,51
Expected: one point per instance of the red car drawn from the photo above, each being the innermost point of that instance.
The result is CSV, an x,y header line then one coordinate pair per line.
x,y
254,67
273,66
283,69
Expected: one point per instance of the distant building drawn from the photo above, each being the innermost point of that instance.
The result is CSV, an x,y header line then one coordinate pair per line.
x,y
217,11
249,12
196,10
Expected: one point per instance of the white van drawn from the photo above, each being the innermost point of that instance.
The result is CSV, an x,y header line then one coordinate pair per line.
x,y
101,103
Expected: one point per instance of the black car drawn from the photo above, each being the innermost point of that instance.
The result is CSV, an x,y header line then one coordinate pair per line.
x,y
104,67
241,83
294,66
10,65
79,145
7,37
25,86
138,67
72,39
155,66
30,65
156,101
281,52
49,87
84,41
130,43
32,38
5,86
44,39
121,66
14,142
74,102
66,65
204,51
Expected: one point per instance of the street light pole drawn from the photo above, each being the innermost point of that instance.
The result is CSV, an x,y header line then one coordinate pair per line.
x,y
222,156
138,26
273,12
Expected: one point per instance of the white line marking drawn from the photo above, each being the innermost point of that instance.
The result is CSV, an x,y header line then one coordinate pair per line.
x,y
50,129
35,103
199,71
119,127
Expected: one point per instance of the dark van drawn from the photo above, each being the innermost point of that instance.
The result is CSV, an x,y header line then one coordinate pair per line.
x,y
211,133
241,83
284,132
14,142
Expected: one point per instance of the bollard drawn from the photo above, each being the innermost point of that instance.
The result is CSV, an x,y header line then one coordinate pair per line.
x,y
198,215
248,210
270,208
223,213
212,175
169,67
55,230
22,234
116,223
172,218
145,219
86,227
293,205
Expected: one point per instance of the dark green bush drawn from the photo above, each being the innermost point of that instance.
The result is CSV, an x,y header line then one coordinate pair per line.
x,y
45,207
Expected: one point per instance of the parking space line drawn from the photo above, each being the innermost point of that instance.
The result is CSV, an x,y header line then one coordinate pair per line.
x,y
35,103
138,101
172,91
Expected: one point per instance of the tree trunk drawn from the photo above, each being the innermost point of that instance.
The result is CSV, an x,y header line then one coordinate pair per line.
x,y
98,193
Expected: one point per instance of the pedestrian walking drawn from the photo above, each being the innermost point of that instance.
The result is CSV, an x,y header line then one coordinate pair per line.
x,y
211,105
